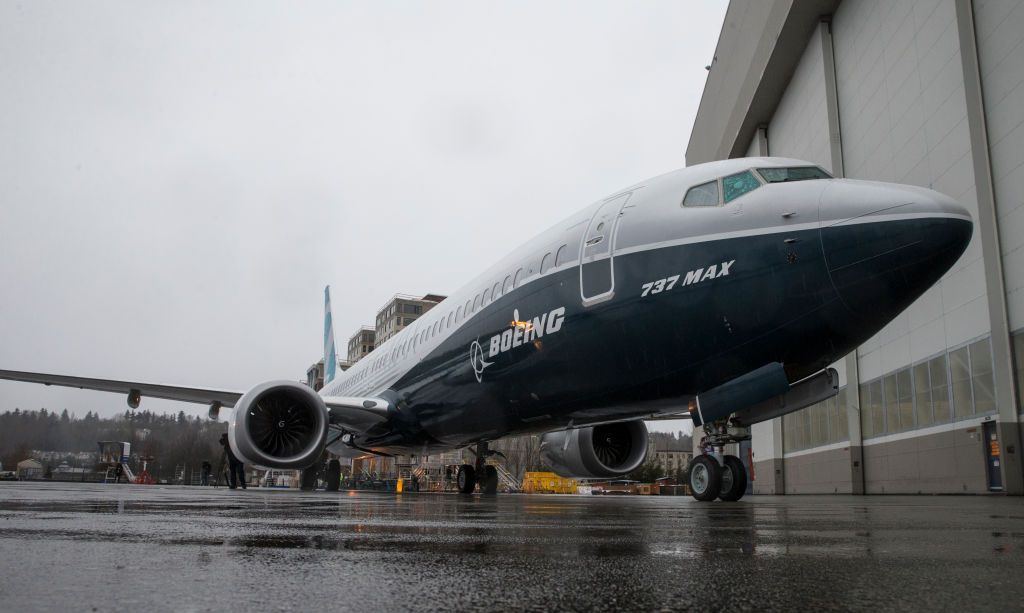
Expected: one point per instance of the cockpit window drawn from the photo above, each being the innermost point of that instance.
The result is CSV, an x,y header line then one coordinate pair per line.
x,y
705,194
796,173
736,185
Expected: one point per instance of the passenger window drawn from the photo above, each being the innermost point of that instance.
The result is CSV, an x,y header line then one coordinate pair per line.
x,y
450,315
467,311
545,263
705,194
458,314
736,185
487,297
476,303
519,276
506,285
497,290
561,255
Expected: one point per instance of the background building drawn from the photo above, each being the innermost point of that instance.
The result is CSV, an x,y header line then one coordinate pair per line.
x,y
400,312
361,343
923,92
30,469
315,376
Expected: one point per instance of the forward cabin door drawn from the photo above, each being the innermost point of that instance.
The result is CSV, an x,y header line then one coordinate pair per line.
x,y
597,268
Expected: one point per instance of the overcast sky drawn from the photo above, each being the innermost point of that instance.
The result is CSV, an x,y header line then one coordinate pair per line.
x,y
178,181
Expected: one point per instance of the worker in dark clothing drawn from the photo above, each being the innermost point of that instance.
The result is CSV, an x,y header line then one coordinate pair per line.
x,y
236,470
204,478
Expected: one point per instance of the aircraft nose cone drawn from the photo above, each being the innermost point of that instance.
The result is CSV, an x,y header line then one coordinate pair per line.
x,y
890,244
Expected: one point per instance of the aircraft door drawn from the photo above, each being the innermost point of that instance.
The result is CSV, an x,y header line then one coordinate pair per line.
x,y
597,270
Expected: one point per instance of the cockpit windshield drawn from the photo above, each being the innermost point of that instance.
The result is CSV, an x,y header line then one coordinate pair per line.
x,y
795,173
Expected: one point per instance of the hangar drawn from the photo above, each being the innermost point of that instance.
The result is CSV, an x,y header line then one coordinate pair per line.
x,y
923,92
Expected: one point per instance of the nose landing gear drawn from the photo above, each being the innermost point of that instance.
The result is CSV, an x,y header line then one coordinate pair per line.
x,y
705,478
714,474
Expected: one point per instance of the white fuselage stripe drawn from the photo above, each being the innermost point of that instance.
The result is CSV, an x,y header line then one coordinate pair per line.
x,y
796,227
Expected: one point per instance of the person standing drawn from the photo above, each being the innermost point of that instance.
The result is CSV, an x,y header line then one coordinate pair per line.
x,y
236,470
204,478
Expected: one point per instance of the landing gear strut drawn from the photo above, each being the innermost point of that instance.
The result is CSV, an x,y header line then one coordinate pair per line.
x,y
714,474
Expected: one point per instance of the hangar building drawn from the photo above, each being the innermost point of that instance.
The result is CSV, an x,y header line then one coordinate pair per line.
x,y
924,92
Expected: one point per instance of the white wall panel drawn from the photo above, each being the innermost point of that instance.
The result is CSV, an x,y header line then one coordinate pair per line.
x,y
799,127
762,441
754,149
1000,32
929,339
903,116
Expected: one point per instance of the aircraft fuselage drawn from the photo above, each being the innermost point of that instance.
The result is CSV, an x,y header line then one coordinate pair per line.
x,y
638,303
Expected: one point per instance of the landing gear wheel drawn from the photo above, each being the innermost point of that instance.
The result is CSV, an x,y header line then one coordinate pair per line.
x,y
734,479
309,478
489,480
333,476
705,478
466,479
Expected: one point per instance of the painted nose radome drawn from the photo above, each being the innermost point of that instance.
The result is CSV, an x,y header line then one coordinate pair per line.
x,y
885,245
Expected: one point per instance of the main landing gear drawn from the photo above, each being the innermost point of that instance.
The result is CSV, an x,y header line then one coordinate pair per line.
x,y
714,474
480,472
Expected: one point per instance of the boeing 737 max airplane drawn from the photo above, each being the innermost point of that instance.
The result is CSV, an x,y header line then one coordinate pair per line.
x,y
721,292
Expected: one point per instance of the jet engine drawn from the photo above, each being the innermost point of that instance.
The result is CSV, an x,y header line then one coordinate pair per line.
x,y
279,424
608,450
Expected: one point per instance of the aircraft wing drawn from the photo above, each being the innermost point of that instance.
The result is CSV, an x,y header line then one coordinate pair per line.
x,y
351,413
152,390
669,416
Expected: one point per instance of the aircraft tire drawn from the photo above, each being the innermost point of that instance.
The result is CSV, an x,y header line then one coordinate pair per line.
x,y
734,479
466,479
705,478
489,481
333,476
308,478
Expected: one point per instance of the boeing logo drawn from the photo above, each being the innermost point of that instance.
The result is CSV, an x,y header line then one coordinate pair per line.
x,y
519,332
476,360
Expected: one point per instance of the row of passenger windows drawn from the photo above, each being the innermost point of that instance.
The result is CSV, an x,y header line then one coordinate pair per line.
x,y
947,388
731,187
463,311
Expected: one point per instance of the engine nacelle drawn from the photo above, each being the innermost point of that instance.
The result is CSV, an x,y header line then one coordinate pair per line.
x,y
609,450
279,424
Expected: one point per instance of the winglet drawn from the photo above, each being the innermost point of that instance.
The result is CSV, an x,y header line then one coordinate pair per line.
x,y
330,357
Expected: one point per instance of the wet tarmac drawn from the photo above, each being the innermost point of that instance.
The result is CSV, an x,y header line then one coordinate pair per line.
x,y
82,547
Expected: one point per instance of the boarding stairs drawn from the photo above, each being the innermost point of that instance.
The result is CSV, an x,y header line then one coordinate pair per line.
x,y
504,476
126,474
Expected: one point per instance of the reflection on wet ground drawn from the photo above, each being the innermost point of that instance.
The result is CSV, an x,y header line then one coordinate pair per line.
x,y
85,546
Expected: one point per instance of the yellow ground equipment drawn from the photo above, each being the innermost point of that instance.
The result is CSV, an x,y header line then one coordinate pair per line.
x,y
547,483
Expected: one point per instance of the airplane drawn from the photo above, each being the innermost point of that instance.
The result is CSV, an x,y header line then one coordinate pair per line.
x,y
720,292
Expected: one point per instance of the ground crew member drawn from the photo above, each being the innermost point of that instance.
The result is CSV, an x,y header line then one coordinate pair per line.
x,y
236,470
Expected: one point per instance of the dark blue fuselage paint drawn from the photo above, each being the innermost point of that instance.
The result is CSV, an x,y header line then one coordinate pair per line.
x,y
804,299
